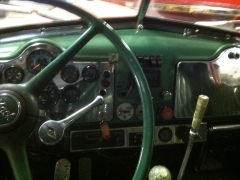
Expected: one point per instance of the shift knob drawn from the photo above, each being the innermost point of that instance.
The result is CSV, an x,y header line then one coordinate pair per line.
x,y
159,173
201,106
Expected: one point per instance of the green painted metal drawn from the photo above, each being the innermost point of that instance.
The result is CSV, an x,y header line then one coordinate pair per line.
x,y
142,11
13,143
44,77
143,166
141,42
14,49
172,46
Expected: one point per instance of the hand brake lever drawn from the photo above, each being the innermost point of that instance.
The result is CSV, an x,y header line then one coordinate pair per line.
x,y
51,132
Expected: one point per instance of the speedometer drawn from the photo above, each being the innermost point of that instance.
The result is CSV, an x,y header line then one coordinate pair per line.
x,y
38,60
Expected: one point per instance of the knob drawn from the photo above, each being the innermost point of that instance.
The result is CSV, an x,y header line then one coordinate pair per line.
x,y
159,173
232,55
166,95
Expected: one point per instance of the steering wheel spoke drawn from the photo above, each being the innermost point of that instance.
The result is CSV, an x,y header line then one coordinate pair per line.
x,y
18,160
13,143
49,72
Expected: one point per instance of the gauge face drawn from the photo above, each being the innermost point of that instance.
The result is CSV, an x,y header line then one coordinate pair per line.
x,y
90,73
165,134
125,111
14,74
38,60
70,94
70,74
48,97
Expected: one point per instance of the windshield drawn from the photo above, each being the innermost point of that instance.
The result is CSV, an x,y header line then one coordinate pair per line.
x,y
217,13
15,13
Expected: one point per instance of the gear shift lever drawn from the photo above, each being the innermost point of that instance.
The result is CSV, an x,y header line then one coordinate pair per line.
x,y
51,132
193,134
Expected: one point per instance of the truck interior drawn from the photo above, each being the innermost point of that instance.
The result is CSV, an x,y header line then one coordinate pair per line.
x,y
109,90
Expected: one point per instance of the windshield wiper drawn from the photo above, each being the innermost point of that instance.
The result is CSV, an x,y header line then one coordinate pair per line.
x,y
26,10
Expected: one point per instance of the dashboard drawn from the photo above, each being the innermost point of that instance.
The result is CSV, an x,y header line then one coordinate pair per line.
x,y
175,80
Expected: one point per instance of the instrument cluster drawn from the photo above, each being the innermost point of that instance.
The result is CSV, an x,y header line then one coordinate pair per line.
x,y
67,86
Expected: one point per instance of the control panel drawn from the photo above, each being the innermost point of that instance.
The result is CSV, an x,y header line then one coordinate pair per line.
x,y
150,66
132,137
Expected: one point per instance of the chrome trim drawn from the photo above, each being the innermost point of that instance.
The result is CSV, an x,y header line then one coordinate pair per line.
x,y
218,78
21,60
224,127
128,130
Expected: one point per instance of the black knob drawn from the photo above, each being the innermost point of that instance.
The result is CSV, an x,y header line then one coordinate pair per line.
x,y
232,55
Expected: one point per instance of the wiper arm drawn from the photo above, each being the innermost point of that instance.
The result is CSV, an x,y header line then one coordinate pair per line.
x,y
26,10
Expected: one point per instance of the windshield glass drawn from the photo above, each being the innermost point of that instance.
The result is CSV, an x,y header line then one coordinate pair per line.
x,y
15,13
217,13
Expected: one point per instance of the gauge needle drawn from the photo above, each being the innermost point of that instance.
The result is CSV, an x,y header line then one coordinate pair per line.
x,y
37,66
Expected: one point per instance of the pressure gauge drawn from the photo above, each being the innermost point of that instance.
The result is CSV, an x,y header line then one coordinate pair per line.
x,y
14,74
70,74
90,73
70,94
125,111
48,97
165,134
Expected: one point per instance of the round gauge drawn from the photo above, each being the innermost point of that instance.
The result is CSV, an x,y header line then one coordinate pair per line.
x,y
70,74
38,60
165,134
90,73
70,94
48,97
125,111
139,112
13,74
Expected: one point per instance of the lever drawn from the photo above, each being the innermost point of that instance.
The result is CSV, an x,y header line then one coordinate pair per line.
x,y
159,173
51,132
193,134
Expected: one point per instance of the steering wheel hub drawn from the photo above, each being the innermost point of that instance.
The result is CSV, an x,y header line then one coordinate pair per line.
x,y
12,110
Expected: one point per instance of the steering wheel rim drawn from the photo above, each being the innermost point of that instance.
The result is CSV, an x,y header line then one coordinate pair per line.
x,y
16,150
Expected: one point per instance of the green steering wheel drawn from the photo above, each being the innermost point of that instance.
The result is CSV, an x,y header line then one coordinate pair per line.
x,y
18,119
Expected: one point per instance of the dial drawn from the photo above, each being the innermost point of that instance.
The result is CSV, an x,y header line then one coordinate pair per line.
x,y
70,94
125,111
38,60
165,134
90,73
70,74
48,97
14,74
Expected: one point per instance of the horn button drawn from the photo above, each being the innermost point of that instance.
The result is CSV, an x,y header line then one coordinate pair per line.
x,y
12,110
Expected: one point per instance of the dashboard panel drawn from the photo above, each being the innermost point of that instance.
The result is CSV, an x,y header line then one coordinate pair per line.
x,y
99,70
